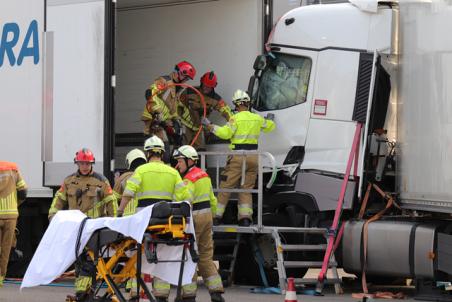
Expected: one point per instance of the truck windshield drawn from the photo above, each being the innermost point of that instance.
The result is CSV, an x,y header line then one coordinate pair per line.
x,y
284,82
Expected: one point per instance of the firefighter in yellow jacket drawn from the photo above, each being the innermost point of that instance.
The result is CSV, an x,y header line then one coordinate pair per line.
x,y
243,129
204,206
151,183
89,192
194,107
13,192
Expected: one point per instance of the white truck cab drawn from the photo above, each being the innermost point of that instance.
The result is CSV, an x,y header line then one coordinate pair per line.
x,y
318,80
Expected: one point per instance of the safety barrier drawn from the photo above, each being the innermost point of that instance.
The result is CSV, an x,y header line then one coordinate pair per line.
x,y
259,190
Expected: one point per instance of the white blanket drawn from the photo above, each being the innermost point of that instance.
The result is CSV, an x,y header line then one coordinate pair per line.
x,y
56,251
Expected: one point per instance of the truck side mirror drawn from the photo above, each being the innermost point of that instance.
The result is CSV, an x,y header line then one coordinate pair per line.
x,y
260,63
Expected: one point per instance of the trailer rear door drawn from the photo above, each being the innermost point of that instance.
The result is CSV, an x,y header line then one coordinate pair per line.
x,y
21,63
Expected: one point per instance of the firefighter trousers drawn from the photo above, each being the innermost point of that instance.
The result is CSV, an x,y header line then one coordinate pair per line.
x,y
203,230
231,178
7,233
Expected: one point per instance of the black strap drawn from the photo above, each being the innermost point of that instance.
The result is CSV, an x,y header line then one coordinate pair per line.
x,y
411,249
245,147
79,237
201,205
142,203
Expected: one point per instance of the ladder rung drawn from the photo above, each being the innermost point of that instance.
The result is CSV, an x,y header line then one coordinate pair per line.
x,y
314,281
303,247
301,230
310,264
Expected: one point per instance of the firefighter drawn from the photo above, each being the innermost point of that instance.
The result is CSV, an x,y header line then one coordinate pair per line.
x,y
243,129
89,192
212,100
13,191
163,101
204,205
151,183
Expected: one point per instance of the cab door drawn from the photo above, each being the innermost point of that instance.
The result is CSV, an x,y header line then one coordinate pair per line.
x,y
284,90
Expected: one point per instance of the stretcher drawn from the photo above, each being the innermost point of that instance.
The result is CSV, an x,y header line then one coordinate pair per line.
x,y
112,259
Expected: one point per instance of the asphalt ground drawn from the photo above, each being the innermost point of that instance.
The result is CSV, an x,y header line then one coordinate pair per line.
x,y
11,293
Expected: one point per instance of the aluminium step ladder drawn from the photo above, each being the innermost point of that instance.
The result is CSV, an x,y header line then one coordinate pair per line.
x,y
302,249
280,248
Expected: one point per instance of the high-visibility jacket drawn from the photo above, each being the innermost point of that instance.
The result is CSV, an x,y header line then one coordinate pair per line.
x,y
244,128
91,194
11,182
156,181
200,186
119,188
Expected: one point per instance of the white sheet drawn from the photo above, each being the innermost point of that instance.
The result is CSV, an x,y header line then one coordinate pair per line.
x,y
56,251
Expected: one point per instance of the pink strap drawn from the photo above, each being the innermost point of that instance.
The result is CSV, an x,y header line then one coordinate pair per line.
x,y
332,234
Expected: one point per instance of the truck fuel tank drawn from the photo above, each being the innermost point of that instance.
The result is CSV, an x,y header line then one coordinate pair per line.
x,y
395,248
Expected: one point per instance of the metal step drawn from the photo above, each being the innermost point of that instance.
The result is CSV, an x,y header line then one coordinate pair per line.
x,y
314,281
303,247
309,264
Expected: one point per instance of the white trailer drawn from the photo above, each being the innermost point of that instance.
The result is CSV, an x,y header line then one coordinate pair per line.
x,y
52,68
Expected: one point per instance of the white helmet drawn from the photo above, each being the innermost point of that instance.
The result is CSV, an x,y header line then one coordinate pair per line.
x,y
132,155
154,144
240,96
186,151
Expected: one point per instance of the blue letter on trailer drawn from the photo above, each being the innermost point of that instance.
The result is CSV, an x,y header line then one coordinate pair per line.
x,y
33,51
7,46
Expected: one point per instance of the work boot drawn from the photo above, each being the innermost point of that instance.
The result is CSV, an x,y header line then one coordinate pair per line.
x,y
216,297
217,221
245,222
78,297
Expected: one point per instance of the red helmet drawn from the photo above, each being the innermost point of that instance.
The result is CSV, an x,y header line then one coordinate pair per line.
x,y
84,155
185,69
209,79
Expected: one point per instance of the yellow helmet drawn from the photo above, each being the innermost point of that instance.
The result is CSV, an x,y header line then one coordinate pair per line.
x,y
154,144
134,154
